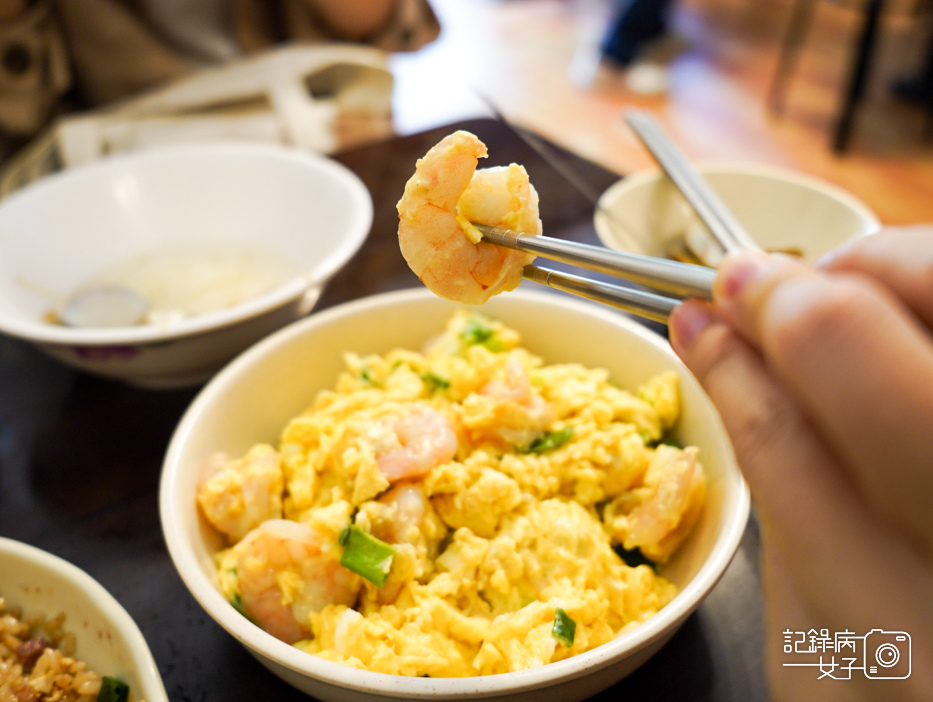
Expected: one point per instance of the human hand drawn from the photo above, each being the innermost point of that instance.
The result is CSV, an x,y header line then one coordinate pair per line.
x,y
353,21
824,379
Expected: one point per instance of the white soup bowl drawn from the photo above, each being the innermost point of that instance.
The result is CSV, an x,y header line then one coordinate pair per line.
x,y
304,210
781,209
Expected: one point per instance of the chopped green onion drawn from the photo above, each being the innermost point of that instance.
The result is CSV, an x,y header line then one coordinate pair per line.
x,y
634,557
564,627
550,440
237,602
112,690
477,331
434,381
366,377
652,442
366,555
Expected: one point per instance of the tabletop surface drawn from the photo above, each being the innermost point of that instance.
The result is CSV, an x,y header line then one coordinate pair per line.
x,y
80,459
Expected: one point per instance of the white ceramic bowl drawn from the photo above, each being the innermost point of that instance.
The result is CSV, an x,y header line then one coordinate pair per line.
x,y
63,230
107,638
781,210
253,398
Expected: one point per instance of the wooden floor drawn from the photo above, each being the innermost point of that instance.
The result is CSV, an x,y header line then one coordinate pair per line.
x,y
537,61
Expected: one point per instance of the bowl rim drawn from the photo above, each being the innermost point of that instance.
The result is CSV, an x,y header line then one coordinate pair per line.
x,y
145,664
361,212
780,173
264,645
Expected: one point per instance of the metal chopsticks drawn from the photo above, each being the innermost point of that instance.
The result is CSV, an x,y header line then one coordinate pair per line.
x,y
680,280
723,225
644,304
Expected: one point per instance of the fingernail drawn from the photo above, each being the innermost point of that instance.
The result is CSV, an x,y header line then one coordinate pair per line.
x,y
687,321
736,272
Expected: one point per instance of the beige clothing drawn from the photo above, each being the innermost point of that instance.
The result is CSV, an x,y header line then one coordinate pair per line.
x,y
100,51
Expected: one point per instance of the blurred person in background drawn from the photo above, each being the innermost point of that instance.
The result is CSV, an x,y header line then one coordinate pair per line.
x,y
635,26
639,44
59,56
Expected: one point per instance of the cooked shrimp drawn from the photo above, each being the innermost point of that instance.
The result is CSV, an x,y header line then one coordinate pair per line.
x,y
515,386
447,193
405,518
404,523
658,515
285,571
509,408
410,445
237,495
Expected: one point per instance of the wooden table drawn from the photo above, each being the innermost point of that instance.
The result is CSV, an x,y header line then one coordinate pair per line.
x,y
80,460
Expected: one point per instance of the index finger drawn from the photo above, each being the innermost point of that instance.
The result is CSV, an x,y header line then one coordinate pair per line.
x,y
900,258
859,364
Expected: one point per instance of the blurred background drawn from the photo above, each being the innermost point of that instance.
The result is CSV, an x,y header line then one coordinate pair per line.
x,y
840,89
539,62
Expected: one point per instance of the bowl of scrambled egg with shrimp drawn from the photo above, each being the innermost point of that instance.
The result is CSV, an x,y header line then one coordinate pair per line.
x,y
405,497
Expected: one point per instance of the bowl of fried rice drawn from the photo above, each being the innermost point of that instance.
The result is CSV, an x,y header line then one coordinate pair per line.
x,y
405,498
63,637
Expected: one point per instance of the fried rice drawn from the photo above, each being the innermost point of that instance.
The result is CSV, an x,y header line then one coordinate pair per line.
x,y
36,660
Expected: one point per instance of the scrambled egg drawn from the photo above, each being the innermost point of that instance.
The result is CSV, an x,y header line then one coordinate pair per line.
x,y
461,511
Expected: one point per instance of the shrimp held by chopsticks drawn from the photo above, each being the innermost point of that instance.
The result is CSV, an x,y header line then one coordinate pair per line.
x,y
441,200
